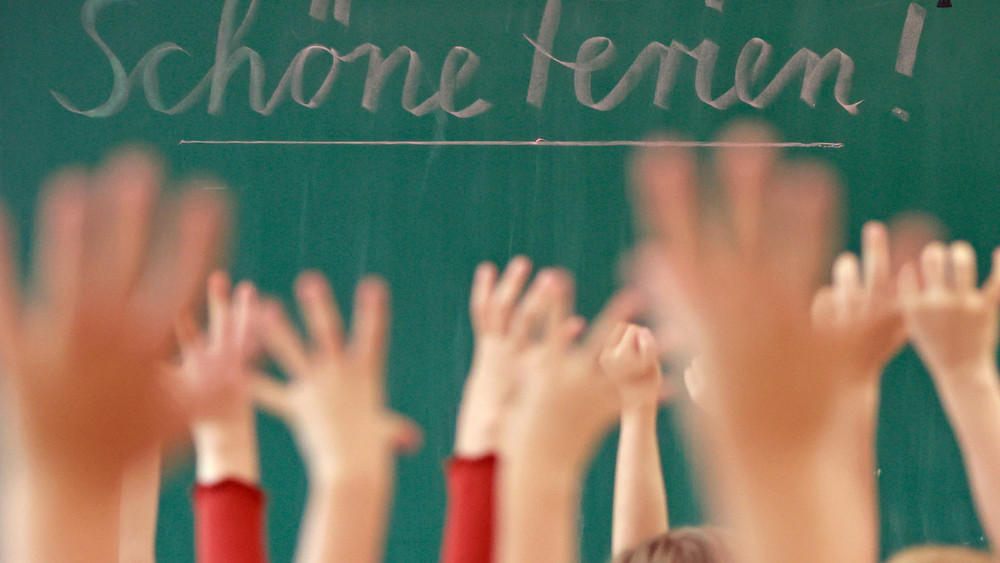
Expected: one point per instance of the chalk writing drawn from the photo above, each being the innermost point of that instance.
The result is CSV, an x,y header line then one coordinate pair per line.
x,y
754,82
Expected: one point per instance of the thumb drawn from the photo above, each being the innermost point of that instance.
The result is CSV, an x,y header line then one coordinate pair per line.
x,y
271,395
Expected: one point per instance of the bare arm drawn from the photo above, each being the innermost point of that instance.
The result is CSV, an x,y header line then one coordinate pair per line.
x,y
640,499
85,348
743,281
336,409
140,505
953,326
564,407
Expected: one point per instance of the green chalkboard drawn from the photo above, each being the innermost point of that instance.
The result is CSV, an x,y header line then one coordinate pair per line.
x,y
522,111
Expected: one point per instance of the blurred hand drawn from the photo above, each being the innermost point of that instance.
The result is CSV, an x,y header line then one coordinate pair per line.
x,y
335,399
491,382
952,324
85,345
631,359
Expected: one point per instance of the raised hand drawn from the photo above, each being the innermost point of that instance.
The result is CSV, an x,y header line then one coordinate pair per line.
x,y
860,309
631,360
953,325
565,400
217,366
565,403
335,405
491,381
741,276
84,345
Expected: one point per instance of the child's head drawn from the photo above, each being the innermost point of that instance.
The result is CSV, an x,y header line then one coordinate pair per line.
x,y
684,545
941,554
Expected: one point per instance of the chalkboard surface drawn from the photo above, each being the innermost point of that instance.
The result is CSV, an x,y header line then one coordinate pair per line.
x,y
522,112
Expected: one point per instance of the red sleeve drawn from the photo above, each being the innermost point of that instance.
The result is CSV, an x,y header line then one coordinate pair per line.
x,y
229,523
468,526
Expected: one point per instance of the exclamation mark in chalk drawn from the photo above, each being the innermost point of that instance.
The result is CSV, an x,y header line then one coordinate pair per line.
x,y
714,4
908,44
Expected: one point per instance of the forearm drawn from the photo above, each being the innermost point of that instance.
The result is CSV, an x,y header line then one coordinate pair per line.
x,y
538,506
227,450
70,518
346,516
852,443
140,501
973,407
478,422
802,504
640,502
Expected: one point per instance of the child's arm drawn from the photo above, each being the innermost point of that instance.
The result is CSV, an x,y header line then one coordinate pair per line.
x,y
953,326
469,521
640,506
564,406
140,505
85,347
335,406
859,312
228,502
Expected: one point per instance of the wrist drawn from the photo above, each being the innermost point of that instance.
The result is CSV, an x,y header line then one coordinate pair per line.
x,y
226,451
644,411
477,430
966,377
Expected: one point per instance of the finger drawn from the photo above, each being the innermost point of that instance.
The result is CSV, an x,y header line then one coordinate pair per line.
x,y
798,229
648,350
933,267
537,300
10,305
571,330
624,305
282,340
562,295
847,288
665,179
991,288
272,396
483,282
628,343
875,257
219,324
846,274
319,309
127,187
694,383
370,324
616,337
963,267
244,306
508,289
745,171
405,435
59,242
179,266
908,285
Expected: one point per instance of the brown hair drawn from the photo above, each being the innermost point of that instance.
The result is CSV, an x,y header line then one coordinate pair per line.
x,y
704,544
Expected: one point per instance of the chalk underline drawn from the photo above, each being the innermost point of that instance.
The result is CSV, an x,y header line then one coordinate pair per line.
x,y
535,143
